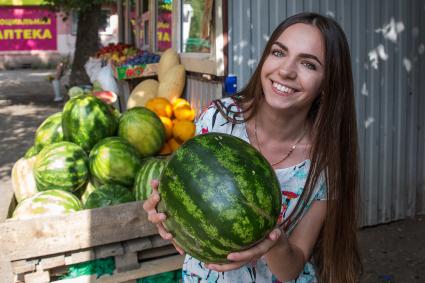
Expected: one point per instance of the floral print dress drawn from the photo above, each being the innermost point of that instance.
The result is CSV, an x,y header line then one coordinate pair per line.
x,y
291,179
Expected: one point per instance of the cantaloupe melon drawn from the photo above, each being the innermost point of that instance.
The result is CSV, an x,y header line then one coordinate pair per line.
x,y
168,59
172,85
144,91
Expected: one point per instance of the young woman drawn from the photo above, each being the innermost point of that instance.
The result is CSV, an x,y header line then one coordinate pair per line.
x,y
298,111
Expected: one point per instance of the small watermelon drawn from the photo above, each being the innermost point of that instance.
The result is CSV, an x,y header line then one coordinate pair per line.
x,y
62,165
151,169
114,160
143,129
86,120
51,202
220,195
50,131
23,181
107,195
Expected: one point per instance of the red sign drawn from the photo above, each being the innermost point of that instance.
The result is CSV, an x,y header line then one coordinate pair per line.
x,y
163,31
27,28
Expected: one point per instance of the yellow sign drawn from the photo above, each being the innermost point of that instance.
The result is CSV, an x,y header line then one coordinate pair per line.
x,y
21,2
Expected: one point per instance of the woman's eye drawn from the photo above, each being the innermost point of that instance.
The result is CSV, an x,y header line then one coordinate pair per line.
x,y
278,53
309,66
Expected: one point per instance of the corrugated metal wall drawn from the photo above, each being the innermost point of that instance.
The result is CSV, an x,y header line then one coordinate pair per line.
x,y
201,91
387,40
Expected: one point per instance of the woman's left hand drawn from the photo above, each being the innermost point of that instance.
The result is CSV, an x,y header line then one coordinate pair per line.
x,y
251,255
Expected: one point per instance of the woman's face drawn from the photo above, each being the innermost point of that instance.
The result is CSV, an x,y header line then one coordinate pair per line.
x,y
293,70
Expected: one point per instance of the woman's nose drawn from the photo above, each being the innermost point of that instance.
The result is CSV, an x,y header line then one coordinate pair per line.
x,y
287,70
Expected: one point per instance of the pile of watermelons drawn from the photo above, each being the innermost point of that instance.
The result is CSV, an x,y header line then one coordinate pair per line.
x,y
87,156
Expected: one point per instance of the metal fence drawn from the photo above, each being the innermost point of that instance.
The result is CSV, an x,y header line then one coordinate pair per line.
x,y
387,41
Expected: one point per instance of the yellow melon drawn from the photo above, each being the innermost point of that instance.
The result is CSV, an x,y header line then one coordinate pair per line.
x,y
141,94
161,106
183,130
168,59
172,85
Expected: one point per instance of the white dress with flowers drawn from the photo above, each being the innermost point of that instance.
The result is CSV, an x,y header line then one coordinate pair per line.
x,y
291,179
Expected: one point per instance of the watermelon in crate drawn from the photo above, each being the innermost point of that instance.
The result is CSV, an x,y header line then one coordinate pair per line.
x,y
86,120
143,129
50,202
151,169
62,165
107,195
220,195
50,131
114,161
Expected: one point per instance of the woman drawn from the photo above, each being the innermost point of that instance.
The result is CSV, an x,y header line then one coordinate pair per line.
x,y
298,111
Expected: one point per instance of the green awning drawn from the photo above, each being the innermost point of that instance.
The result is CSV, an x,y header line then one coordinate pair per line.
x,y
21,2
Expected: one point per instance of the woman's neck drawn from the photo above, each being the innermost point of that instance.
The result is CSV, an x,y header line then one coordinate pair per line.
x,y
280,125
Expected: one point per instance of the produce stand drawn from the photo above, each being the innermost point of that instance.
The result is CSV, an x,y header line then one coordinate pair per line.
x,y
128,80
39,249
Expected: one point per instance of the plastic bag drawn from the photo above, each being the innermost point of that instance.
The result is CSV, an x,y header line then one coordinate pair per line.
x,y
106,79
93,67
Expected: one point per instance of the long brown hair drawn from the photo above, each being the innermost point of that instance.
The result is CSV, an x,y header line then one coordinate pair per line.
x,y
334,149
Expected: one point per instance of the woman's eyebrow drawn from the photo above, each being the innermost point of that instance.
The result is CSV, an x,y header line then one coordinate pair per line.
x,y
302,55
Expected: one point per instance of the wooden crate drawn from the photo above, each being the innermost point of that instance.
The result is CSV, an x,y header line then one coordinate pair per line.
x,y
37,249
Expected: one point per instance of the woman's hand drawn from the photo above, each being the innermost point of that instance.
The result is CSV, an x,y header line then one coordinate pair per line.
x,y
251,255
157,218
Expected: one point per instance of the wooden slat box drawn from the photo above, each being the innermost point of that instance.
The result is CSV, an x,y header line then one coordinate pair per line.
x,y
37,247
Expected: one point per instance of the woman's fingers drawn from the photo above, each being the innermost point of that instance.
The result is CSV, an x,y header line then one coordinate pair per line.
x,y
163,233
258,250
154,184
178,248
151,202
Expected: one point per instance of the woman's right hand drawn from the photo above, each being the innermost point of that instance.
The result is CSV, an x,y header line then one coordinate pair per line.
x,y
157,218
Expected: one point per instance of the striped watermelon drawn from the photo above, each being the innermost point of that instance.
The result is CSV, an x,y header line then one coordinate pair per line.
x,y
51,202
62,165
86,120
114,160
220,194
143,129
151,169
23,181
50,131
108,195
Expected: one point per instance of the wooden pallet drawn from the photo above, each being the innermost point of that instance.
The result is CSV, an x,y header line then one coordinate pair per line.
x,y
40,248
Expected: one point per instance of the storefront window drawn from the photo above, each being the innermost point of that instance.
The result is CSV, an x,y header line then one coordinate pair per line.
x,y
163,25
197,17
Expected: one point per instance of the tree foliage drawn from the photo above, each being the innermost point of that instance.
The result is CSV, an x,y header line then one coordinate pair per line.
x,y
87,41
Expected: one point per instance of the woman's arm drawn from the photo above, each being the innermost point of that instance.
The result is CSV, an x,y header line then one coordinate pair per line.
x,y
287,258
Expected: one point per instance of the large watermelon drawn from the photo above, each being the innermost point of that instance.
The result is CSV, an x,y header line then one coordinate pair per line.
x,y
62,165
107,195
151,169
50,131
143,129
51,202
114,160
220,194
86,120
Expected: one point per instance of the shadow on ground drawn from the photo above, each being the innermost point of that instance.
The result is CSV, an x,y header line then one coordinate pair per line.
x,y
26,99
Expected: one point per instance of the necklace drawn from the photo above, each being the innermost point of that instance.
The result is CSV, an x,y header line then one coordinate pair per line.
x,y
294,146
